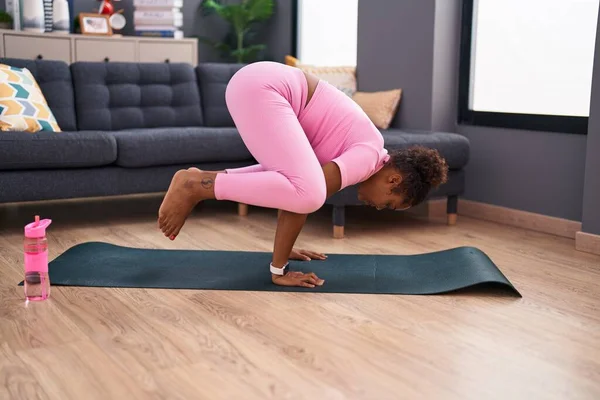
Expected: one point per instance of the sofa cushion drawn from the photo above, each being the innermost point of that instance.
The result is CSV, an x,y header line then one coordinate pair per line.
x,y
54,78
213,79
22,150
166,146
115,96
453,147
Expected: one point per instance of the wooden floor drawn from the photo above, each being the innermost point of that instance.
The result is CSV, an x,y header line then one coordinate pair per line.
x,y
95,343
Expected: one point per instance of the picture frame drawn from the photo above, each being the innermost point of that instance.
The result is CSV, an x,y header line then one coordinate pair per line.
x,y
95,24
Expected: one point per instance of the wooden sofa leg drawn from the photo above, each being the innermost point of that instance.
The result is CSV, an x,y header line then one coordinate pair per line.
x,y
338,222
452,209
242,209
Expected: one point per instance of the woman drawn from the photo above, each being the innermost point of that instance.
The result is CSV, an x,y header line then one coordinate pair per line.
x,y
310,140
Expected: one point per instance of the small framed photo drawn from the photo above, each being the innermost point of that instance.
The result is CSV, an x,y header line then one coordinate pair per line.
x,y
95,24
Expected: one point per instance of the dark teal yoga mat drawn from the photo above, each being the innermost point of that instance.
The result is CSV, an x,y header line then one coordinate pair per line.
x,y
107,265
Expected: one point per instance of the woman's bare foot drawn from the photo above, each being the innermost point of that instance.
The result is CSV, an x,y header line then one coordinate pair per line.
x,y
187,189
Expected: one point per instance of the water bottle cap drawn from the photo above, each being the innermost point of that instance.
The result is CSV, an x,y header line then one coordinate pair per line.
x,y
37,229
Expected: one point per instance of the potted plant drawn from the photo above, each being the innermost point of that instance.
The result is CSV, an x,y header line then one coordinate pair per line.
x,y
242,18
6,21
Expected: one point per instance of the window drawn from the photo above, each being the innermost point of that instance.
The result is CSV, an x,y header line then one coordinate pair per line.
x,y
527,63
327,32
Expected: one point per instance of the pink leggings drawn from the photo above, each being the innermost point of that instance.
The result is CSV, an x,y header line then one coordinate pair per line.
x,y
266,100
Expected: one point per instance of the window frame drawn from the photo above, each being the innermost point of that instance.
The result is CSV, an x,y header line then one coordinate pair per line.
x,y
533,122
295,26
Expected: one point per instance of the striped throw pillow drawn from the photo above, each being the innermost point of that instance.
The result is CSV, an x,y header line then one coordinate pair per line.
x,y
341,77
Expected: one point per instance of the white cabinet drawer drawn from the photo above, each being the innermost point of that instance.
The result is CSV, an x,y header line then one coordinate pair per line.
x,y
30,47
167,52
104,50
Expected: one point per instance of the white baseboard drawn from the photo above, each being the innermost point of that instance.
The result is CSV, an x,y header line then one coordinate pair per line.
x,y
587,242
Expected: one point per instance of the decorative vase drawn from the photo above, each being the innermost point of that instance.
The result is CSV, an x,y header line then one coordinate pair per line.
x,y
33,15
48,19
61,17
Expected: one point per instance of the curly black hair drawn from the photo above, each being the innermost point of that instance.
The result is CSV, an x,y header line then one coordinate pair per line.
x,y
422,169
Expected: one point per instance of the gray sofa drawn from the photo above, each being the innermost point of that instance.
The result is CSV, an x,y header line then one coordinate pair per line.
x,y
128,127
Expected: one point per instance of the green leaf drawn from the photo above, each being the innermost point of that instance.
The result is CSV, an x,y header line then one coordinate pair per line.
x,y
239,17
206,40
210,6
220,46
223,47
214,6
248,54
5,17
257,47
259,10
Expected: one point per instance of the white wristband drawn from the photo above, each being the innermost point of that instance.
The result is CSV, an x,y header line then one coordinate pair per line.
x,y
279,271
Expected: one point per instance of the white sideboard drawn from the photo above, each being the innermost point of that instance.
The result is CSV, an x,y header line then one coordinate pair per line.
x,y
75,47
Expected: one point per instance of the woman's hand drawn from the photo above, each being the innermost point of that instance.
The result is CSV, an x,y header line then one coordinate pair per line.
x,y
297,278
306,255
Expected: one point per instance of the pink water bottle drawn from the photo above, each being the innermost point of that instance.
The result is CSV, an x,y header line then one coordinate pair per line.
x,y
37,282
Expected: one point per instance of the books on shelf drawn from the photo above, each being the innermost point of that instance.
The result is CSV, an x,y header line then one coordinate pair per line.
x,y
159,31
158,18
139,4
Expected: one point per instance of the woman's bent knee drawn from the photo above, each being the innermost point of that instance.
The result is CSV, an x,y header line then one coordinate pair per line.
x,y
311,201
